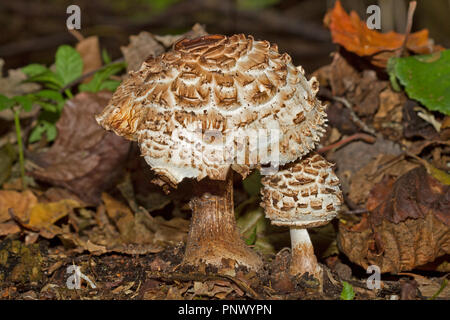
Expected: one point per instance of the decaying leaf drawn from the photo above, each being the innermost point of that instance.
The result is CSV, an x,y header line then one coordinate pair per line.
x,y
89,49
383,165
140,48
361,89
20,202
389,116
354,156
23,209
408,225
146,45
169,40
120,230
354,35
84,159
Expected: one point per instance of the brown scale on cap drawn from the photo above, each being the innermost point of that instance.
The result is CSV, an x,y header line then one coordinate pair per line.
x,y
226,84
304,194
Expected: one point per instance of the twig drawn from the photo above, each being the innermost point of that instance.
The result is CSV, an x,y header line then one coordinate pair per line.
x,y
355,118
328,95
77,34
409,22
204,277
355,212
20,222
356,136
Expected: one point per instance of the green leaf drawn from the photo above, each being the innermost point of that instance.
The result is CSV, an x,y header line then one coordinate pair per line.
x,y
69,65
43,127
347,291
390,68
48,106
252,184
96,84
105,57
34,69
49,78
252,238
426,78
51,95
110,85
25,101
5,102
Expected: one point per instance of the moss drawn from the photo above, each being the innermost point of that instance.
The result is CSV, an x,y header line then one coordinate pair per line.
x,y
20,263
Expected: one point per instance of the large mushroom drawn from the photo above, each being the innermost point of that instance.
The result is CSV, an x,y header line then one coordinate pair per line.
x,y
303,195
195,112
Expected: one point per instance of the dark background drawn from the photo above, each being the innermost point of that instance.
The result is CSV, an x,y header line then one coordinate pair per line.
x,y
31,30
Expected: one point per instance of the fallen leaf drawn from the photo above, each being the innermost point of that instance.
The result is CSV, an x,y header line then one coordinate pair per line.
x,y
139,49
20,202
169,40
43,215
414,126
354,35
89,49
383,165
409,226
146,45
84,158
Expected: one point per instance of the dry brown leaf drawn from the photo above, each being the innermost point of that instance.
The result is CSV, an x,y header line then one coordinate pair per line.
x,y
169,40
43,215
408,228
20,202
9,227
383,165
139,49
84,158
146,45
354,35
89,49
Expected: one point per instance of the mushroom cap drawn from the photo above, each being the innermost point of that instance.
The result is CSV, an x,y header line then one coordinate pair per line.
x,y
305,194
190,108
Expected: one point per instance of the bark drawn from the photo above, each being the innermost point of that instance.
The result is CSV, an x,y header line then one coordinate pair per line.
x,y
213,236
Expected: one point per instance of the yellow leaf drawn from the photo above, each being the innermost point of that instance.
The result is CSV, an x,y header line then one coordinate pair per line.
x,y
45,214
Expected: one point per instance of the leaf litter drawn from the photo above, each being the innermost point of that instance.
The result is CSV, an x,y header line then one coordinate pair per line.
x,y
92,204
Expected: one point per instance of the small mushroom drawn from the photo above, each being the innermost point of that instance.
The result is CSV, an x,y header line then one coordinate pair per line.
x,y
193,111
305,194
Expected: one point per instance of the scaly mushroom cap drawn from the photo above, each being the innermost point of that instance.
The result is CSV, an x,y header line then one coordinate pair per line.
x,y
230,85
305,194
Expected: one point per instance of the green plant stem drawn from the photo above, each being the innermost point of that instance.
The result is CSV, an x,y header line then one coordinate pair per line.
x,y
19,142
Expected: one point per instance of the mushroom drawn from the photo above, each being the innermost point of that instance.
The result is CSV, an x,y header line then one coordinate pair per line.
x,y
195,111
305,194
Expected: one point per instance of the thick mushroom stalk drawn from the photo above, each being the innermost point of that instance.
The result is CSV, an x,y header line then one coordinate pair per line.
x,y
304,194
213,236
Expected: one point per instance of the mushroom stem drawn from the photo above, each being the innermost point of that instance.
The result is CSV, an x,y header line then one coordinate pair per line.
x,y
213,236
303,258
